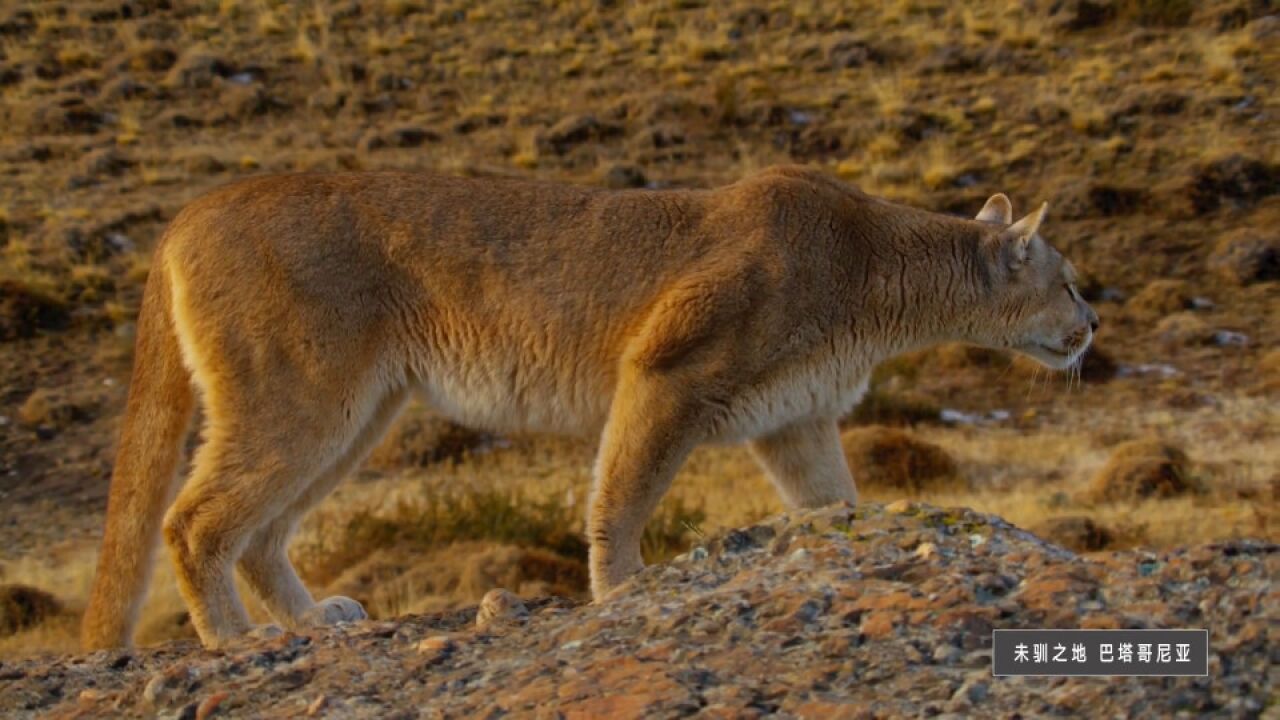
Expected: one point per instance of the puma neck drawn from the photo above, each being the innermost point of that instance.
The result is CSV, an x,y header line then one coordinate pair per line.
x,y
915,278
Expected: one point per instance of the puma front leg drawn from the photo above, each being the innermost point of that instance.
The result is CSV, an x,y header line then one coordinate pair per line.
x,y
647,437
676,374
806,463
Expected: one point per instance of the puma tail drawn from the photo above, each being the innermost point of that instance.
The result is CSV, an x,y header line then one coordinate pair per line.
x,y
144,481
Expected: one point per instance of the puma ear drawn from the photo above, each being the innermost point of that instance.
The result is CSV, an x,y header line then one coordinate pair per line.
x,y
1018,235
997,210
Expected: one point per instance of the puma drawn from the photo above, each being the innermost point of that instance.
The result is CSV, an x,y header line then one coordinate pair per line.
x,y
302,310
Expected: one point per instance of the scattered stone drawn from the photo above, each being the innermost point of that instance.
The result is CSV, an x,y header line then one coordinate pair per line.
x,y
951,59
1075,532
1076,15
1247,256
1161,370
407,136
951,416
26,309
1183,329
178,118
146,57
846,51
891,458
575,130
170,686
10,74
1230,338
658,137
210,705
478,121
437,647
1096,199
105,162
240,102
880,624
328,100
197,68
900,507
23,606
124,87
63,115
620,177
500,608
946,654
1142,469
1235,180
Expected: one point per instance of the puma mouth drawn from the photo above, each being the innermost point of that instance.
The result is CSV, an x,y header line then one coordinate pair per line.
x,y
1053,350
1055,357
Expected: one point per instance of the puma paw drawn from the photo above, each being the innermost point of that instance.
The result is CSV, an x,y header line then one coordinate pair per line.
x,y
332,610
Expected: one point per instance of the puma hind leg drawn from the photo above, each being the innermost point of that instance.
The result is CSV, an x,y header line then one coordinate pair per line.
x,y
231,494
265,563
251,481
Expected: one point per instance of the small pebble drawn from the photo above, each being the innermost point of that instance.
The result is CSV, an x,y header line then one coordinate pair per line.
x,y
899,507
500,607
210,705
437,645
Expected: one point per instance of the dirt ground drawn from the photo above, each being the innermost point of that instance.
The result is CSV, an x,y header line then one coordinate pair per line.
x,y
1150,127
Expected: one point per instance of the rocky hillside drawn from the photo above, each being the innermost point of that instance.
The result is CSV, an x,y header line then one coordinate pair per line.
x,y
878,611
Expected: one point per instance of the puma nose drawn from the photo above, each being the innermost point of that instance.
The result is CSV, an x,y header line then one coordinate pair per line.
x,y
1093,324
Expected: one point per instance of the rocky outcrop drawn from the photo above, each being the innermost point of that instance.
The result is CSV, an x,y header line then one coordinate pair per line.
x,y
842,612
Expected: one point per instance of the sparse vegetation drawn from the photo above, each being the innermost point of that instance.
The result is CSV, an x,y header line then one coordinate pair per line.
x,y
890,459
433,519
22,607
1143,469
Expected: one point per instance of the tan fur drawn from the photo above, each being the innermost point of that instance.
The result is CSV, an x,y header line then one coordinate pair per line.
x,y
305,308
